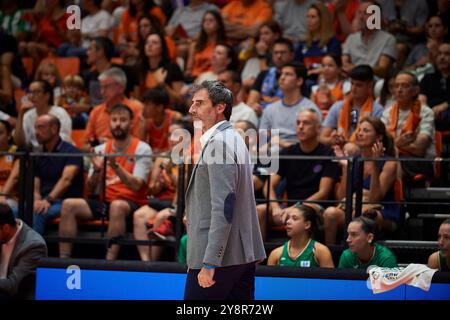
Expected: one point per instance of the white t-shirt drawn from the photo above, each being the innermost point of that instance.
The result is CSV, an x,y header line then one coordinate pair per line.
x,y
243,112
91,25
29,120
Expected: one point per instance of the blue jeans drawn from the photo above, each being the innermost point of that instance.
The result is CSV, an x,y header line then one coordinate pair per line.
x,y
40,220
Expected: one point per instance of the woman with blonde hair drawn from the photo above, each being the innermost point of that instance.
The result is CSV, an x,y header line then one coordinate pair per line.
x,y
320,39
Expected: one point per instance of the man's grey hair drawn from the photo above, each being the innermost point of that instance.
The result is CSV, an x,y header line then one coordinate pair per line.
x,y
119,76
414,80
318,116
217,93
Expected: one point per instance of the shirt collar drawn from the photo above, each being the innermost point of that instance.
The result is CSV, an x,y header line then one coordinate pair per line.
x,y
12,241
205,137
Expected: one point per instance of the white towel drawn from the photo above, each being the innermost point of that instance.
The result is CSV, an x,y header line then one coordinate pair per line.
x,y
385,279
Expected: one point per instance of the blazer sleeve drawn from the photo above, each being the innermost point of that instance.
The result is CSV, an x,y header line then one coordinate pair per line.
x,y
223,181
24,265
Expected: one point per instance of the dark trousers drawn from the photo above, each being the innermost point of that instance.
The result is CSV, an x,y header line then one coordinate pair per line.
x,y
232,283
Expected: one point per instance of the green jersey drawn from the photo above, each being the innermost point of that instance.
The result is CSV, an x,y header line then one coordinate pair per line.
x,y
182,250
305,259
382,257
443,266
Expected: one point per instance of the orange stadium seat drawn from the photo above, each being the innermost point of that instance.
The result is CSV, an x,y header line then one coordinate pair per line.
x,y
78,137
28,65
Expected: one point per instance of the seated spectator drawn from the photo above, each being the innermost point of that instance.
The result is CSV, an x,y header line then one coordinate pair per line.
x,y
55,178
49,31
200,53
291,15
342,120
268,33
156,69
157,119
265,89
369,46
125,187
302,250
441,259
386,97
343,12
128,27
50,73
281,115
241,111
39,102
426,52
75,100
189,18
308,180
113,83
319,42
99,54
21,250
244,17
363,251
435,88
407,24
412,126
156,218
330,77
372,141
96,23
149,24
9,167
8,110
223,58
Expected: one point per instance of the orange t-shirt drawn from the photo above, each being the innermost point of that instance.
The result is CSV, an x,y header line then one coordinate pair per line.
x,y
115,188
237,13
98,124
158,137
6,165
350,12
202,60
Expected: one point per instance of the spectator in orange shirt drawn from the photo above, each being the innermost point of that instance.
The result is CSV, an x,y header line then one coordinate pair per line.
x,y
157,119
343,12
125,185
201,51
112,85
244,17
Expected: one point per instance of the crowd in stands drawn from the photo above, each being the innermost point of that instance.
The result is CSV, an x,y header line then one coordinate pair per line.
x,y
317,71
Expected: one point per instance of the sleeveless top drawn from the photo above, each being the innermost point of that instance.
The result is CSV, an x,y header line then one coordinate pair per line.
x,y
443,266
305,259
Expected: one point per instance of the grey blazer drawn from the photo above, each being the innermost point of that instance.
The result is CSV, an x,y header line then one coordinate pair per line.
x,y
29,248
222,223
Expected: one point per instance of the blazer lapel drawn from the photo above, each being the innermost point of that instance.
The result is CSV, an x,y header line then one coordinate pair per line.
x,y
222,127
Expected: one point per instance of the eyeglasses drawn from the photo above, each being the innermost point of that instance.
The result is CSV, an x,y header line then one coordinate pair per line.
x,y
34,92
107,86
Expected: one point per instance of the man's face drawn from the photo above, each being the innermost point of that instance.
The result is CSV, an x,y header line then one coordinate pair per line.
x,y
361,89
281,55
443,58
289,80
363,15
120,124
404,89
225,78
92,54
308,127
44,130
203,110
110,89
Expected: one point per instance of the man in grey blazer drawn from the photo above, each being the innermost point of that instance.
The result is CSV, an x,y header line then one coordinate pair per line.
x,y
21,248
224,240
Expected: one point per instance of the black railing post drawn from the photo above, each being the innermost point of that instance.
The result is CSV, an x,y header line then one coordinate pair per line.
x,y
180,207
359,186
103,191
348,197
22,184
29,193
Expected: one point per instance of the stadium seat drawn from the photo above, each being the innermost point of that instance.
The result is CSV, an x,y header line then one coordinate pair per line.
x,y
78,137
66,66
28,65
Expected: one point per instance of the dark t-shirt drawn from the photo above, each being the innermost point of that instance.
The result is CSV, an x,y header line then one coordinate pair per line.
x,y
303,176
260,79
49,170
436,88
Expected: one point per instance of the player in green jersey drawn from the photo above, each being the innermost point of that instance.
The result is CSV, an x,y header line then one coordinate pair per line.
x,y
441,259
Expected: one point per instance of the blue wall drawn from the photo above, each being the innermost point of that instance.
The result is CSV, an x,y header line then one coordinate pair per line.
x,y
51,284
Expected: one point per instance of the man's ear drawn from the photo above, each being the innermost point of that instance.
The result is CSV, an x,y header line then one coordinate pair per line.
x,y
220,108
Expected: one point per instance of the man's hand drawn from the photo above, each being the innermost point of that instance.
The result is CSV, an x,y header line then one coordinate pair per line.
x,y
337,138
405,139
438,109
205,277
41,206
